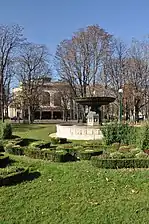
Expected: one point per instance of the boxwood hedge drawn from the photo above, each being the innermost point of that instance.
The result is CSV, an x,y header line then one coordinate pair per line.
x,y
54,156
120,163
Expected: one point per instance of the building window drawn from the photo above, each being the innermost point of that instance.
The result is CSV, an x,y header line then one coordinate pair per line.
x,y
46,99
57,99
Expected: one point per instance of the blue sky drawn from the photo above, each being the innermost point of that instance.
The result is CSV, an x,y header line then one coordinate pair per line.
x,y
50,21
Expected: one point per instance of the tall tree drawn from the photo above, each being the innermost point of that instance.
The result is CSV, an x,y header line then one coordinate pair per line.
x,y
79,60
32,70
115,70
138,76
8,82
115,66
10,39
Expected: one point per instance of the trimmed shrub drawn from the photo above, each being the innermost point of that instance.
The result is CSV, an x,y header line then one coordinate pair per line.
x,y
104,155
88,153
135,151
93,144
62,140
61,156
25,141
116,155
141,155
54,156
1,147
119,133
34,153
5,131
116,146
14,149
13,141
78,148
119,163
40,144
143,137
54,140
8,146
124,149
69,148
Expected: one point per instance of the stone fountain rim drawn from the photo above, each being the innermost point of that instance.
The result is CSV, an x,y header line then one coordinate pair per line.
x,y
79,125
96,99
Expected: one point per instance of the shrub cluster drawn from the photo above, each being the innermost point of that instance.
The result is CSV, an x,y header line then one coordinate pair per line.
x,y
14,149
126,153
40,145
1,147
143,137
119,133
5,131
56,140
88,153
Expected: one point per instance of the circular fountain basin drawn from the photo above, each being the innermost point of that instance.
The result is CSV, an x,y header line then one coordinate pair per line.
x,y
78,132
95,101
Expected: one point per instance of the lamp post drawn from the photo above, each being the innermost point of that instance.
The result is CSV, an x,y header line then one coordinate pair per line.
x,y
120,91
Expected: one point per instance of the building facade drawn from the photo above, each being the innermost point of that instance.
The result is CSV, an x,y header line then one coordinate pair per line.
x,y
55,102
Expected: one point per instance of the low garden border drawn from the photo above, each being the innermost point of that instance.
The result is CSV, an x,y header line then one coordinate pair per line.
x,y
119,163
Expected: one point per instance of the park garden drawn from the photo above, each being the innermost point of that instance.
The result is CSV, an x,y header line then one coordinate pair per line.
x,y
55,180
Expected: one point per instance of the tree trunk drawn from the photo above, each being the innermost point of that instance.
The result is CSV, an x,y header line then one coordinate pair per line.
x,y
2,99
71,109
29,114
32,117
78,113
40,114
83,115
6,111
136,113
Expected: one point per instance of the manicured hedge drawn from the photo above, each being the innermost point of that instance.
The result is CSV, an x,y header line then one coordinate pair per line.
x,y
4,161
13,178
14,149
54,156
119,163
1,147
40,144
87,154
56,140
5,131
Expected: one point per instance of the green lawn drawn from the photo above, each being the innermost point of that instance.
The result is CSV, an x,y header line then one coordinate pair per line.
x,y
34,131
74,192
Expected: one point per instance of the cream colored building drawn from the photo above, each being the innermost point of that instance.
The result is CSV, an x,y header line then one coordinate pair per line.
x,y
52,106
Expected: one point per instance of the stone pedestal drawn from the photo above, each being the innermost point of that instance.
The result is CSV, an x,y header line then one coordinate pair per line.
x,y
92,118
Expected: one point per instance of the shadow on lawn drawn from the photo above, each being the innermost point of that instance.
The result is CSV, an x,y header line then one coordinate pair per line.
x,y
27,127
29,177
32,175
